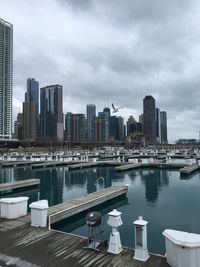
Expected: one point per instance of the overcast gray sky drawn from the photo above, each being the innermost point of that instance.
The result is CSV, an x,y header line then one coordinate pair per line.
x,y
119,50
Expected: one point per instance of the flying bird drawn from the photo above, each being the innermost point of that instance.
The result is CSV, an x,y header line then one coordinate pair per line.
x,y
115,110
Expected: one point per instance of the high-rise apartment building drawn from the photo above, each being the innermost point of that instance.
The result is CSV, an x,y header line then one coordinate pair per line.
x,y
51,112
158,134
31,111
91,114
18,134
79,128
6,78
101,127
120,129
69,126
163,123
149,119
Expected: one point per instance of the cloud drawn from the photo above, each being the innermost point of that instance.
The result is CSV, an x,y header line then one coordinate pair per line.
x,y
116,50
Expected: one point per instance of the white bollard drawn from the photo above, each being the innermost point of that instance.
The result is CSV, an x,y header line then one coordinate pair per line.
x,y
114,221
141,251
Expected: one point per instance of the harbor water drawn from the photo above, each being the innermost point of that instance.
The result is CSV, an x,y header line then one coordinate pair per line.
x,y
161,196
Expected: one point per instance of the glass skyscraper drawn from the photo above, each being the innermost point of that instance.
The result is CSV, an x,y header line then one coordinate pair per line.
x,y
31,111
51,112
91,114
6,78
163,122
149,119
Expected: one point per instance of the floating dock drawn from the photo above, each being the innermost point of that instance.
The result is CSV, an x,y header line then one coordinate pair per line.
x,y
95,164
69,208
54,164
13,163
19,184
128,167
189,169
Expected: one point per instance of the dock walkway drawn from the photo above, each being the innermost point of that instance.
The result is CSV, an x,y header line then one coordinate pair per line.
x,y
128,167
19,184
23,245
189,169
69,208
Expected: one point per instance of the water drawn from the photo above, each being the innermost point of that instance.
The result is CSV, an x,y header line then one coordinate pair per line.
x,y
160,196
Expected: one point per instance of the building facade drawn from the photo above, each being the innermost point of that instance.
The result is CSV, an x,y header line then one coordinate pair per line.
x,y
91,114
163,123
69,126
18,134
101,127
158,126
149,121
6,79
79,128
51,112
31,111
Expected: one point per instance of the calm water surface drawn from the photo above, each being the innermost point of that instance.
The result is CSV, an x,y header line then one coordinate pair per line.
x,y
160,196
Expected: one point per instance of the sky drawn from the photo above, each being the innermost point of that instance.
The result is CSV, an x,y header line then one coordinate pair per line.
x,y
111,51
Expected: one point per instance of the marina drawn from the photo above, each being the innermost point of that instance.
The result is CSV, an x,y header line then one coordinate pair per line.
x,y
75,187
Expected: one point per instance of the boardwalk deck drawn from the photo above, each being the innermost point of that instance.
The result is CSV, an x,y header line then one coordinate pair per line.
x,y
95,164
128,167
19,184
54,163
189,169
13,163
35,247
74,206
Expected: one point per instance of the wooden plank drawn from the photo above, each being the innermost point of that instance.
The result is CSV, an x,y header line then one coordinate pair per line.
x,y
128,167
19,184
189,169
29,246
72,207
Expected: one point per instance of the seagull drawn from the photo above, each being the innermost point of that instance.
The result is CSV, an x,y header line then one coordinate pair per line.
x,y
115,110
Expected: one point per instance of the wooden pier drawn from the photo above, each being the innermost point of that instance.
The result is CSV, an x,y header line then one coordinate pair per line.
x,y
22,245
189,169
69,208
128,167
19,184
95,164
13,163
54,164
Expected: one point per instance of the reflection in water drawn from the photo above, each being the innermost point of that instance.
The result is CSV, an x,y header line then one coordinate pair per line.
x,y
51,185
154,180
6,175
88,177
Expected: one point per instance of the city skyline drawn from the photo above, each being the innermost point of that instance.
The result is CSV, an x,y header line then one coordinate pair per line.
x,y
103,55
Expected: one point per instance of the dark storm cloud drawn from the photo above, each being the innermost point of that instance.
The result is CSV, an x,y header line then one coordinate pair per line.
x,y
111,51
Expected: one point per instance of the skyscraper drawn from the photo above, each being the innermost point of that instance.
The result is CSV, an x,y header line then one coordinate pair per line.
x,y
101,127
79,128
31,111
120,129
149,122
163,123
158,134
91,114
69,126
51,112
6,78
